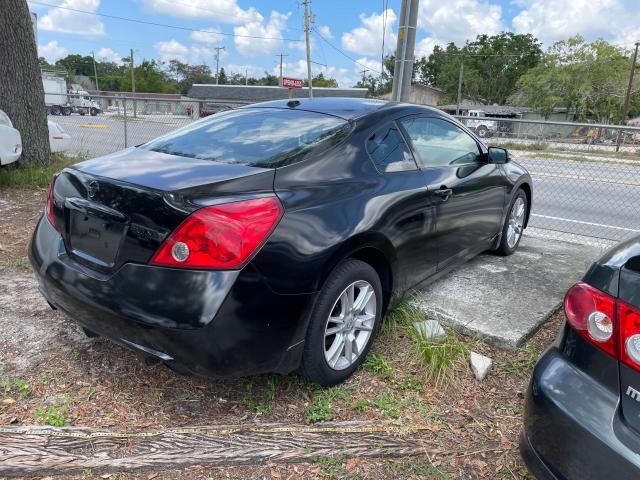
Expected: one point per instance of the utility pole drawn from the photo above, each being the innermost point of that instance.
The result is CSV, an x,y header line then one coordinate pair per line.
x,y
403,70
306,34
364,73
133,85
625,108
95,70
217,49
246,77
460,87
281,55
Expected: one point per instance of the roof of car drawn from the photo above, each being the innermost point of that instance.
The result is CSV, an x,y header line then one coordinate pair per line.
x,y
347,108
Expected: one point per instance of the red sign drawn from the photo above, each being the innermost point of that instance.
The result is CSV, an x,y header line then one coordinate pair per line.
x,y
288,82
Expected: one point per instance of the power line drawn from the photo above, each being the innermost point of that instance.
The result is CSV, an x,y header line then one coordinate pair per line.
x,y
344,54
164,25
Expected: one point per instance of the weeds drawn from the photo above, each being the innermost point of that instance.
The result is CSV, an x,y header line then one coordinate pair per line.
x,y
27,175
261,403
361,405
379,365
331,467
54,415
319,411
402,312
439,358
522,363
18,386
388,405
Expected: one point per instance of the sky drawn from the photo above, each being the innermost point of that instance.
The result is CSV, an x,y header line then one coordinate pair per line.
x,y
346,38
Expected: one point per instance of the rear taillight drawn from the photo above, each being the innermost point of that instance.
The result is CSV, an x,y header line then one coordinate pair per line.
x,y
592,314
48,209
629,326
220,237
606,322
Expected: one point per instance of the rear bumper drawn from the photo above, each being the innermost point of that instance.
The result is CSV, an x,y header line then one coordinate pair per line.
x,y
572,425
212,323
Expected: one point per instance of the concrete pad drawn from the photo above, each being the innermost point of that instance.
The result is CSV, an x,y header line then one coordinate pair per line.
x,y
503,300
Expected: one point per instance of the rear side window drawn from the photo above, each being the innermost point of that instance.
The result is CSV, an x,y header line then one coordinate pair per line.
x,y
4,119
388,150
261,137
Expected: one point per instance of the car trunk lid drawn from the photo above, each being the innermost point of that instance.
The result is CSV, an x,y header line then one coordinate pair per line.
x,y
119,208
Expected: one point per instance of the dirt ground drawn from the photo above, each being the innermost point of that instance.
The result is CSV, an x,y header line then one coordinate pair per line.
x,y
50,373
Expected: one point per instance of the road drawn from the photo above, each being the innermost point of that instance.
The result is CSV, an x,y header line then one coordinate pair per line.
x,y
598,199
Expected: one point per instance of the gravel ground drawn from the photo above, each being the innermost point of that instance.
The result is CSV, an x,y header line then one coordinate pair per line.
x,y
50,373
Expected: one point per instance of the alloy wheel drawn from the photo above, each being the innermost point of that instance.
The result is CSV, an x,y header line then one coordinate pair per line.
x,y
516,222
350,325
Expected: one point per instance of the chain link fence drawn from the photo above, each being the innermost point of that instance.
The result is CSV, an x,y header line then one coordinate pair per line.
x,y
586,176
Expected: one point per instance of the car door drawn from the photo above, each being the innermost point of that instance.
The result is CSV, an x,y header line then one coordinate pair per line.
x,y
470,191
408,206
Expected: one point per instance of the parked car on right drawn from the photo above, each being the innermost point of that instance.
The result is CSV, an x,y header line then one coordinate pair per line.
x,y
207,109
582,414
10,141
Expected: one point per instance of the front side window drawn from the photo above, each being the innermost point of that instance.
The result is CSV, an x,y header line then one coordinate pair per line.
x,y
439,143
388,150
260,137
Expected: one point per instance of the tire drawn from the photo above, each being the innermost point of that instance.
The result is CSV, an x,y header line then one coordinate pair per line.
x,y
507,246
482,131
93,111
55,110
330,303
66,111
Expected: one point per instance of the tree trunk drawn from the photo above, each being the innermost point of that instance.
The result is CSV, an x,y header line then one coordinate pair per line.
x,y
21,91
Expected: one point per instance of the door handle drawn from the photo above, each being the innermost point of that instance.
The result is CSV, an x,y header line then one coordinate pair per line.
x,y
444,193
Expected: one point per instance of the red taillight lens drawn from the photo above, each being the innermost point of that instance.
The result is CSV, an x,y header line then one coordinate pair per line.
x,y
629,326
48,209
592,314
220,237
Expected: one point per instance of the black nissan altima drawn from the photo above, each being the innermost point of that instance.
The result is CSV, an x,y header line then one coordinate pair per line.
x,y
582,414
272,237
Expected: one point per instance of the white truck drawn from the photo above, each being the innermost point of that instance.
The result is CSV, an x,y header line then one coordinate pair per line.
x,y
483,128
60,101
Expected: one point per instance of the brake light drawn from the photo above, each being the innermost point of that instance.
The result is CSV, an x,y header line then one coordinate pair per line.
x,y
629,321
48,209
220,237
592,314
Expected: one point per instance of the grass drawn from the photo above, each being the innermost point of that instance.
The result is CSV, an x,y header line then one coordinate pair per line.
x,y
379,365
439,358
402,312
388,405
521,365
413,467
27,175
320,410
260,402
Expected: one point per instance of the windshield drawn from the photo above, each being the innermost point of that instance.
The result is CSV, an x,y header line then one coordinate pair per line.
x,y
263,137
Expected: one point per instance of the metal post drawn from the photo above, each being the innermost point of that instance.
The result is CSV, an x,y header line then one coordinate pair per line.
x,y
133,85
95,70
306,34
124,102
281,55
217,49
460,87
246,77
403,70
625,108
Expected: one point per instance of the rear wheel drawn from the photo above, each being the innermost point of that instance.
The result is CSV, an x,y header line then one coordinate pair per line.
x,y
513,225
343,323
482,131
66,111
93,111
55,110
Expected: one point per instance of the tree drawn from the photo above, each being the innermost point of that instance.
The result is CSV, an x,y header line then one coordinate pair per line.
x,y
321,82
492,66
186,75
222,77
21,90
588,78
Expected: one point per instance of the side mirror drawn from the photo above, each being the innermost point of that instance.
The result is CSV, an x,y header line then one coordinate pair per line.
x,y
498,155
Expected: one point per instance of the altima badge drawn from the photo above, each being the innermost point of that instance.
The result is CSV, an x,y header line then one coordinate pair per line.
x,y
92,189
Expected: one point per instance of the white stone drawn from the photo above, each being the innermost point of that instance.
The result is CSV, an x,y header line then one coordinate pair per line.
x,y
480,365
431,330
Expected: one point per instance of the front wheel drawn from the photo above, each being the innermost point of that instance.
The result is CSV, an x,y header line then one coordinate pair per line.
x,y
513,225
482,131
93,111
343,323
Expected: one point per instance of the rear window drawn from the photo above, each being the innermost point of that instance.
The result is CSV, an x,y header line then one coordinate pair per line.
x,y
262,137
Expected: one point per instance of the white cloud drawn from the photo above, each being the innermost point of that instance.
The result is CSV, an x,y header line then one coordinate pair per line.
x,y
373,66
212,35
108,55
459,20
552,20
68,21
52,51
261,46
367,39
194,54
425,46
223,11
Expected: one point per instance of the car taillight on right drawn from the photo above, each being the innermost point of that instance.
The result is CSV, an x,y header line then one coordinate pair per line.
x,y
48,209
606,322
